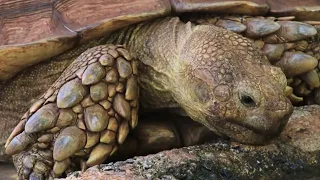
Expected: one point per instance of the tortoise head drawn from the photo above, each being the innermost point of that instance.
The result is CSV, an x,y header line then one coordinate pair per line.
x,y
231,87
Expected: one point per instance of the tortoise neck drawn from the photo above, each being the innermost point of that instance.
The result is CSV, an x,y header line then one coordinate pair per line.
x,y
156,45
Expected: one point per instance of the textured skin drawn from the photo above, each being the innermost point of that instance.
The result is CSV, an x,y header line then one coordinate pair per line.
x,y
219,78
204,70
19,93
97,118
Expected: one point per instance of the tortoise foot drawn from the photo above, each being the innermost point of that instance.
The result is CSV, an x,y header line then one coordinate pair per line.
x,y
86,114
34,164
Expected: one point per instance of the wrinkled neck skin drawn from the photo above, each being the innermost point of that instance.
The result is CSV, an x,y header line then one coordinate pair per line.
x,y
210,73
162,79
162,73
156,45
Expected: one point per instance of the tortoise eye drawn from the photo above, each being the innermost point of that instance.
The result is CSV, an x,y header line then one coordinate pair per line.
x,y
247,100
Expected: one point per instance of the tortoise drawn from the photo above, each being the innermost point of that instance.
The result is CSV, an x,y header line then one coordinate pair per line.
x,y
219,68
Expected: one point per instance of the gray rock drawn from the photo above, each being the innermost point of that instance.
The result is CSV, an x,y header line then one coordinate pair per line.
x,y
294,155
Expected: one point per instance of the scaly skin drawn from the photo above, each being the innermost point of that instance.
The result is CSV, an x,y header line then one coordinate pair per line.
x,y
23,90
206,71
219,78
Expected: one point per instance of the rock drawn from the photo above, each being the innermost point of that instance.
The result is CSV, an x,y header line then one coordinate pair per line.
x,y
303,129
287,157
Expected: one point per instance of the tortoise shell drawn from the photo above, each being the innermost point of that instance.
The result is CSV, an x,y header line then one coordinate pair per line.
x,y
35,30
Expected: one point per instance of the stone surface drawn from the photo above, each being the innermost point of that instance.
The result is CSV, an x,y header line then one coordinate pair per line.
x,y
294,155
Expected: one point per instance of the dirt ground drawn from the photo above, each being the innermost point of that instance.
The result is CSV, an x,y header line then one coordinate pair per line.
x,y
7,171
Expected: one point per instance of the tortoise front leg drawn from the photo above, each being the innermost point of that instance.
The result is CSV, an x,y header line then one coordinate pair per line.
x,y
87,113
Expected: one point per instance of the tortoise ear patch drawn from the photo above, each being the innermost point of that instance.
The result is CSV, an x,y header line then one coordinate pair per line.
x,y
203,92
222,93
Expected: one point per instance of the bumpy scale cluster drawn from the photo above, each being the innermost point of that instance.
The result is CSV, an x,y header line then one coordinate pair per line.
x,y
87,112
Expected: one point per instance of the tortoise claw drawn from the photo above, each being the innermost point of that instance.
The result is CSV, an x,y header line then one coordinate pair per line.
x,y
61,166
99,154
17,130
70,140
43,119
18,143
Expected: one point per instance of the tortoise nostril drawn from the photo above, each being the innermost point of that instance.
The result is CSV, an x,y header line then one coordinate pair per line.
x,y
247,100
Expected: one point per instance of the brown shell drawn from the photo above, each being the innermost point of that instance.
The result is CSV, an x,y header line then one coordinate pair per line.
x,y
34,30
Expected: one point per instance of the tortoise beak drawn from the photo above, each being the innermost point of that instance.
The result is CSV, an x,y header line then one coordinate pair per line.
x,y
267,122
258,127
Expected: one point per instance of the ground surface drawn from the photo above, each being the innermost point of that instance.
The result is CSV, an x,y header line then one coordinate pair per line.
x,y
295,155
7,171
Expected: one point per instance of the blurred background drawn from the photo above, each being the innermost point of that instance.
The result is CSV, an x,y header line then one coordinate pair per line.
x,y
7,171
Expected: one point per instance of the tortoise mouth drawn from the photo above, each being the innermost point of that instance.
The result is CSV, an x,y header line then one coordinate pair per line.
x,y
265,131
242,133
247,135
257,128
